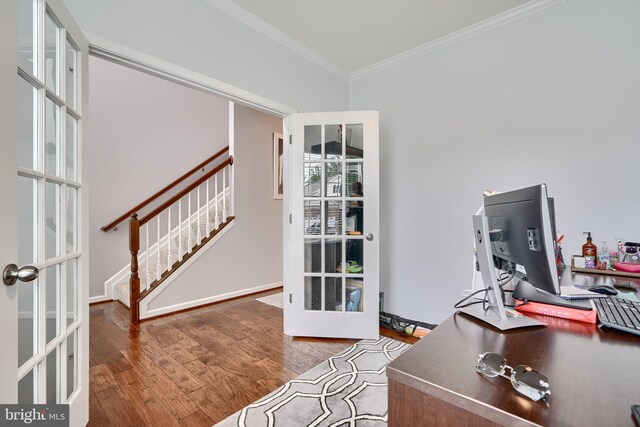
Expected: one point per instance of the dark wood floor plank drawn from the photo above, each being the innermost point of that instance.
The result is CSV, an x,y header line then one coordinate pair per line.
x,y
101,378
97,416
120,411
144,400
197,367
276,371
174,399
197,419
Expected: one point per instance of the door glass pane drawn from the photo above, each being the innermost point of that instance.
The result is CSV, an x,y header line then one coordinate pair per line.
x,y
312,177
72,220
354,294
333,141
333,215
52,376
333,179
312,142
312,255
27,145
51,32
355,256
71,364
27,220
333,255
355,179
26,320
312,217
355,146
52,216
333,294
25,35
72,290
71,73
25,389
354,225
313,293
71,148
51,301
51,145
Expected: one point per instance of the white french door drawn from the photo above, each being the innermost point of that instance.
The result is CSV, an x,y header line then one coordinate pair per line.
x,y
43,217
331,225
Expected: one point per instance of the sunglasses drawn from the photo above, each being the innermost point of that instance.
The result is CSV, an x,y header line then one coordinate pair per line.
x,y
525,380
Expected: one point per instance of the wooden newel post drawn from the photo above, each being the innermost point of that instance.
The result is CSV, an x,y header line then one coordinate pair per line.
x,y
134,282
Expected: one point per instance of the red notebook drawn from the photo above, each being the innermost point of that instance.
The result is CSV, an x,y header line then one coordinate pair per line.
x,y
587,316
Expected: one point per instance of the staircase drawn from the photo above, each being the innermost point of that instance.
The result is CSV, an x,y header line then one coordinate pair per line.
x,y
183,223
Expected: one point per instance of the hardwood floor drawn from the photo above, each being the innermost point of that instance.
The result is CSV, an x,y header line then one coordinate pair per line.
x,y
194,368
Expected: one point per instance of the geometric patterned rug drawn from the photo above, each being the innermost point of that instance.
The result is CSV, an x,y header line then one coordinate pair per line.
x,y
349,389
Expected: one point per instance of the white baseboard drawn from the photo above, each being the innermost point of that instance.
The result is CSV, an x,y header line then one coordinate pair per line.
x,y
99,298
145,314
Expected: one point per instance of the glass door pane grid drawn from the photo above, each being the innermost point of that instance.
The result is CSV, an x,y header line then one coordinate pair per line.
x,y
323,220
36,365
27,49
344,219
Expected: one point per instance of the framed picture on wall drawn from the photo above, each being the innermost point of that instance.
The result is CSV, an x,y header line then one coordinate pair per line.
x,y
278,152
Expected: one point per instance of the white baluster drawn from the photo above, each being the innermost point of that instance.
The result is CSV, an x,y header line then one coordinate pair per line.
x,y
180,250
147,265
190,241
199,234
232,202
224,195
158,268
208,228
217,218
169,261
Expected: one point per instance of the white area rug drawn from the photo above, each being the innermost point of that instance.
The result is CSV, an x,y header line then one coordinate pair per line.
x,y
349,389
276,300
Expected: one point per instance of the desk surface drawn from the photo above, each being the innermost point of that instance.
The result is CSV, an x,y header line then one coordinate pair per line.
x,y
594,374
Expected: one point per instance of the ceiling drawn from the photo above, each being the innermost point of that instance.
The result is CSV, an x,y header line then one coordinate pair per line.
x,y
353,34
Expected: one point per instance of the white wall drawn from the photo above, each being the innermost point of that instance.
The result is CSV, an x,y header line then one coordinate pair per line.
x,y
144,133
198,36
553,97
250,253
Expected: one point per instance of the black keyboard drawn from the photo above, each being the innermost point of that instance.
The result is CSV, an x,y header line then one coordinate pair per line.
x,y
619,313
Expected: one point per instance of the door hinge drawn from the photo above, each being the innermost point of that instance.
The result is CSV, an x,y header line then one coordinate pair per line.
x,y
290,219
290,139
290,298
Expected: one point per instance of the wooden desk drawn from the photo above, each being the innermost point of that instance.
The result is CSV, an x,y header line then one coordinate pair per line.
x,y
594,376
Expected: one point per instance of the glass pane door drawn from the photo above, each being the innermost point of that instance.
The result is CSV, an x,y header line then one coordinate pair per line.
x,y
49,192
330,189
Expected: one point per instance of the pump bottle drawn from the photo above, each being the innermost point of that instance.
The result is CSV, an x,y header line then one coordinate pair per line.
x,y
589,252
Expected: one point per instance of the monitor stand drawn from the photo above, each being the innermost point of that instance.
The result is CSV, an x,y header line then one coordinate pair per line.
x,y
495,315
526,291
494,319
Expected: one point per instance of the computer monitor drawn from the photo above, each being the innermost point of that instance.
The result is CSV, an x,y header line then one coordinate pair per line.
x,y
523,236
513,232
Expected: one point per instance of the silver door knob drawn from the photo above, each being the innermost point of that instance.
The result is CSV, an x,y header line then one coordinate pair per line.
x,y
369,236
12,273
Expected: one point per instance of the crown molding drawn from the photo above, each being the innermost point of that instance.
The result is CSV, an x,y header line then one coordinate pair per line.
x,y
489,24
266,29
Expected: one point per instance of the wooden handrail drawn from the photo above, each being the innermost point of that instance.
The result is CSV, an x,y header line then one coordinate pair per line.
x,y
187,190
141,205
